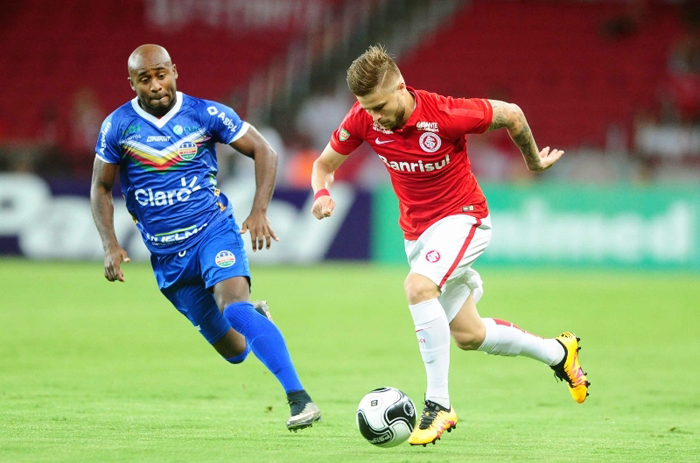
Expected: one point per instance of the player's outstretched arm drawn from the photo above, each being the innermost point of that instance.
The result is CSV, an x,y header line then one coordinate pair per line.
x,y
103,175
254,145
511,117
322,179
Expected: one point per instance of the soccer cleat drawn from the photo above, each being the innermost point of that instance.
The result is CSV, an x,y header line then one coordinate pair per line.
x,y
434,421
569,369
303,411
262,308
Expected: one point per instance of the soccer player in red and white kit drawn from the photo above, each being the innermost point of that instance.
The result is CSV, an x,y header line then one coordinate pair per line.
x,y
421,138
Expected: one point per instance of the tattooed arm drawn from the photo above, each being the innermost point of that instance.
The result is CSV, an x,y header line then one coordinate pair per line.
x,y
511,117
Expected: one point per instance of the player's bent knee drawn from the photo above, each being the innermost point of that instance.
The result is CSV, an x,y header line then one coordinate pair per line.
x,y
468,341
240,357
419,288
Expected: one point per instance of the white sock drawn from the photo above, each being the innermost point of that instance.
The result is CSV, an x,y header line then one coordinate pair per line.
x,y
433,332
504,338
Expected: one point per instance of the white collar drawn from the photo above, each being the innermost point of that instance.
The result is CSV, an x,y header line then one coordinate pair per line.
x,y
158,121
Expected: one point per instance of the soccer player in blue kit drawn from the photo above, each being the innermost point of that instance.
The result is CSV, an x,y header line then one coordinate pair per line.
x,y
162,144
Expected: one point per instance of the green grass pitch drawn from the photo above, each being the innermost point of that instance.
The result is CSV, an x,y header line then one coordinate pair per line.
x,y
98,372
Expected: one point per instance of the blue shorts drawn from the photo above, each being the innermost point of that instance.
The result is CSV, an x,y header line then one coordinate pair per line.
x,y
187,278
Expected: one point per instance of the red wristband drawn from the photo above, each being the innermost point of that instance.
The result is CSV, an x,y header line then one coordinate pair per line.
x,y
320,193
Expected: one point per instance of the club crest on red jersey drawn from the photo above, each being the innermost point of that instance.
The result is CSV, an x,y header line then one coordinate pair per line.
x,y
432,256
430,142
344,135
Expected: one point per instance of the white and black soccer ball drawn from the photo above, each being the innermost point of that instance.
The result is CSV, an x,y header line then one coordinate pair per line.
x,y
386,417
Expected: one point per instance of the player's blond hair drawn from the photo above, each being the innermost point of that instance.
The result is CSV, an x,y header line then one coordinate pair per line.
x,y
371,70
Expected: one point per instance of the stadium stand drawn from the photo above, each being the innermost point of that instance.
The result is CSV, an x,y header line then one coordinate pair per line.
x,y
54,49
571,78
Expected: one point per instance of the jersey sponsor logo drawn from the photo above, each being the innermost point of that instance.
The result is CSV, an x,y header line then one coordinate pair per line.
x,y
178,129
382,142
187,150
427,126
103,137
420,166
381,129
154,138
131,129
149,197
174,236
344,135
432,256
225,259
430,142
228,122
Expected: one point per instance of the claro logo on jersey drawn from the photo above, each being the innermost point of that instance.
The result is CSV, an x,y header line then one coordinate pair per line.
x,y
420,166
150,197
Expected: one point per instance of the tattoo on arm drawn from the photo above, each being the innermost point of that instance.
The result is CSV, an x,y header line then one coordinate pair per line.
x,y
512,118
500,115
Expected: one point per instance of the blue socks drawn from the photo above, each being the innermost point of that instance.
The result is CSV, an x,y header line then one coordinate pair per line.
x,y
266,342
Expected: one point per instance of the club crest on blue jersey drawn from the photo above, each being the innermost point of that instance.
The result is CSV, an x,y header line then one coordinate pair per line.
x,y
225,259
187,150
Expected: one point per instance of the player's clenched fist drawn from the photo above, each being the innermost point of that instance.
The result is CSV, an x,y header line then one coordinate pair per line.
x,y
323,207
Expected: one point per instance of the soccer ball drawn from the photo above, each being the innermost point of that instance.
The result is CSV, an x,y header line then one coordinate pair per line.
x,y
386,417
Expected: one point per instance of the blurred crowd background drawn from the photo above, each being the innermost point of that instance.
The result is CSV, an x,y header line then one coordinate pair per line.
x,y
614,83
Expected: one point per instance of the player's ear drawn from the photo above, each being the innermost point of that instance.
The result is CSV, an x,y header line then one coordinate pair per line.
x,y
174,71
131,84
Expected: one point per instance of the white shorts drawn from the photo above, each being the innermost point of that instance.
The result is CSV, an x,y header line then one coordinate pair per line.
x,y
445,252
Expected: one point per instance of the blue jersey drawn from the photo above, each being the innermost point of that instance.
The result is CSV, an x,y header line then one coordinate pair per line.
x,y
168,167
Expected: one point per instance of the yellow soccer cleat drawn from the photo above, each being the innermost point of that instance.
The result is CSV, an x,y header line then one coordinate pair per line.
x,y
435,420
570,370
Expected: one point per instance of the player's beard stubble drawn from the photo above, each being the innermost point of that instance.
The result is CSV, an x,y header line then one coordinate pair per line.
x,y
397,123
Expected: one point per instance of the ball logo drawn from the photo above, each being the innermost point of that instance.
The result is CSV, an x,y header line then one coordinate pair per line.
x,y
225,259
187,150
177,129
430,142
432,256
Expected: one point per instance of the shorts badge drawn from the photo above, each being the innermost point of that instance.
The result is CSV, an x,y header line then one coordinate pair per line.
x,y
225,259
